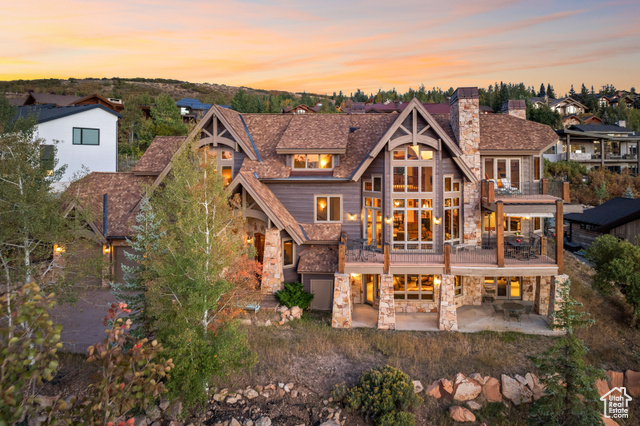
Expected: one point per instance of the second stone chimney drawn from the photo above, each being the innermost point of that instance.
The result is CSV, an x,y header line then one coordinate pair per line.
x,y
465,122
516,108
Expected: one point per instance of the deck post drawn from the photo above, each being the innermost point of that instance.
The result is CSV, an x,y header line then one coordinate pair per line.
x,y
491,192
543,245
447,258
559,236
387,258
544,186
566,194
341,255
500,233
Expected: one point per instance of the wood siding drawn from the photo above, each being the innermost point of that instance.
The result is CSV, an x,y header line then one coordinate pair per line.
x,y
629,231
298,198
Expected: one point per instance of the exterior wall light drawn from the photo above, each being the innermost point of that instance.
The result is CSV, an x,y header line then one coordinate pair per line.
x,y
106,249
353,216
388,220
437,220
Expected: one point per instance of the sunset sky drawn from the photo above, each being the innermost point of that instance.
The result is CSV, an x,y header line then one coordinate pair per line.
x,y
324,46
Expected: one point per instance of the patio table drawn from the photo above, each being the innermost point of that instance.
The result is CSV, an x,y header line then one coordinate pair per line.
x,y
512,309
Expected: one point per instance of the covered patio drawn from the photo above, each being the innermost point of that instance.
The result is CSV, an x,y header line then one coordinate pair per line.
x,y
471,319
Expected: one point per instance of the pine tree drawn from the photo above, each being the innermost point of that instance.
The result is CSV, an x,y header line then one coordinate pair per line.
x,y
550,93
145,245
628,193
572,92
542,92
570,395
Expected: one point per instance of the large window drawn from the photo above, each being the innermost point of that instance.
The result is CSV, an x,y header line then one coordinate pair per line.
x,y
287,253
537,168
313,161
505,171
82,136
413,193
413,287
224,158
452,201
328,208
373,221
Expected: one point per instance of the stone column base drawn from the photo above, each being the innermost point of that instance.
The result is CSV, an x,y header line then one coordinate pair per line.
x,y
272,274
386,308
447,314
341,315
558,281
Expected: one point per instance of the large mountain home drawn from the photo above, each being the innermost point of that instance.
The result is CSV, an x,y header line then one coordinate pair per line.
x,y
564,106
619,217
600,145
408,212
86,137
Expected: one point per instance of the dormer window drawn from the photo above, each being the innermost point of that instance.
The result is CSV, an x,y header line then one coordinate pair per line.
x,y
313,161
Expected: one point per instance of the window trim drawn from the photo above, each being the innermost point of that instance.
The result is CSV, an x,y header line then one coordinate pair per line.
x,y
73,139
315,208
453,194
306,162
293,253
539,169
508,169
458,284
405,293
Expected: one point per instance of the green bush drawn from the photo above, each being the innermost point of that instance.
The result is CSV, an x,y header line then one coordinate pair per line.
x,y
292,295
382,394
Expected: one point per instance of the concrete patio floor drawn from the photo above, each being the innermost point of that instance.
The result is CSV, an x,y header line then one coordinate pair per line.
x,y
471,319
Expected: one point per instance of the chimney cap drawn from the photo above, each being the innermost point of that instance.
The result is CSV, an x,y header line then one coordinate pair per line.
x,y
464,93
514,105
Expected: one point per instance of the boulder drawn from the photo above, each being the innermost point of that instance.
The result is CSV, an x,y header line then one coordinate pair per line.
x,y
602,386
466,389
478,378
174,410
263,421
164,403
434,390
616,379
245,321
515,391
446,388
474,405
282,308
521,379
267,323
247,422
461,414
632,382
234,422
330,423
153,413
491,390
459,377
250,394
417,386
296,312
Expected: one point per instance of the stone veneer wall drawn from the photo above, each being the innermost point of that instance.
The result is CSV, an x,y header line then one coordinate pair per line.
x,y
542,296
272,275
255,226
342,302
528,289
465,122
557,282
420,306
447,315
386,308
472,288
520,113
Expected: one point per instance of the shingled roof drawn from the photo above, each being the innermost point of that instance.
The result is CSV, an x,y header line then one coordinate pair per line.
x,y
326,132
318,259
124,191
323,231
158,155
50,98
502,132
610,214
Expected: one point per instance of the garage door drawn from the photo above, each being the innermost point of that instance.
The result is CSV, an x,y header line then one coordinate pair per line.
x,y
323,294
118,260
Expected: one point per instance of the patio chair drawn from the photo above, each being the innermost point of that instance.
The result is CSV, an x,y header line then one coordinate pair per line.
x,y
528,308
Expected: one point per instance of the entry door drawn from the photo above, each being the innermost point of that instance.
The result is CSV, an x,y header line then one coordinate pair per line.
x,y
369,284
322,291
509,288
259,245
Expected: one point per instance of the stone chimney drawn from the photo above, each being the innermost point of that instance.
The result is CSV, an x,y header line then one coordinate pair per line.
x,y
515,108
465,122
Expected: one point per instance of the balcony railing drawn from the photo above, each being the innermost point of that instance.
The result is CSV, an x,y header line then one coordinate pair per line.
x,y
489,193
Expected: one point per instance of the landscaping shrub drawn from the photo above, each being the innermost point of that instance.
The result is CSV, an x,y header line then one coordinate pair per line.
x,y
292,295
382,394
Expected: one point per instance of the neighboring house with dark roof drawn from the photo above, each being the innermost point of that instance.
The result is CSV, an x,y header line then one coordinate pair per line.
x,y
619,217
192,109
301,109
405,212
86,135
50,98
575,120
609,146
112,103
564,106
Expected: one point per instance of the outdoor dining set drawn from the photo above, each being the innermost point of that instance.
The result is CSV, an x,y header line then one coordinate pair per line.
x,y
510,310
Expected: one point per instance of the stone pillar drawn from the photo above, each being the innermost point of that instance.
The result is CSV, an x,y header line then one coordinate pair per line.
x,y
272,275
386,308
341,316
557,282
472,287
528,289
465,122
447,314
542,296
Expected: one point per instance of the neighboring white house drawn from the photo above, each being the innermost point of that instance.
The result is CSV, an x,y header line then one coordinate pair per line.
x,y
87,136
